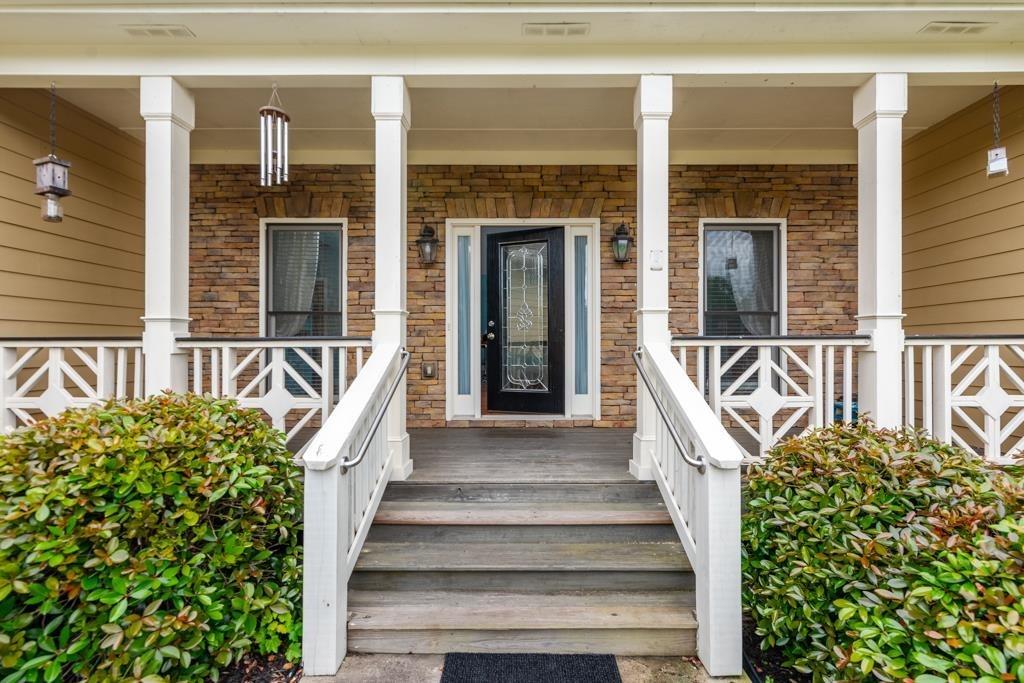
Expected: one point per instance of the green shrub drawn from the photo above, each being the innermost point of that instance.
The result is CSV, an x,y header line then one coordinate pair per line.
x,y
878,553
148,540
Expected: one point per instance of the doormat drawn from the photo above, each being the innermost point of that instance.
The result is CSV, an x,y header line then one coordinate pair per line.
x,y
521,668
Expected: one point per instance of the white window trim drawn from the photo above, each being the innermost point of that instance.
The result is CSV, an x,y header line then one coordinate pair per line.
x,y
781,260
265,224
584,406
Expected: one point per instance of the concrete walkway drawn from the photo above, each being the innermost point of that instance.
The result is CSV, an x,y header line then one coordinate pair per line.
x,y
427,669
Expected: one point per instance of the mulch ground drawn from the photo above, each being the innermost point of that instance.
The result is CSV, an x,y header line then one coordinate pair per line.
x,y
767,663
257,669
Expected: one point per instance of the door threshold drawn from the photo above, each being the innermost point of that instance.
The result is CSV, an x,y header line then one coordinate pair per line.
x,y
522,417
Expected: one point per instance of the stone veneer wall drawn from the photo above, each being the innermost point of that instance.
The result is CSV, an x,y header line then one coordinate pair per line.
x,y
819,203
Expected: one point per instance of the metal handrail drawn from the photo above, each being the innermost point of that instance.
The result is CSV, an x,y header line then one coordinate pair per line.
x,y
381,412
699,462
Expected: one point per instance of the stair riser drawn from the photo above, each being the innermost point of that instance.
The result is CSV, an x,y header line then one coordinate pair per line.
x,y
634,642
524,581
522,493
462,535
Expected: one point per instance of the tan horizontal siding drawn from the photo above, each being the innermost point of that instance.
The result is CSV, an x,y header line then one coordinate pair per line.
x,y
963,265
83,276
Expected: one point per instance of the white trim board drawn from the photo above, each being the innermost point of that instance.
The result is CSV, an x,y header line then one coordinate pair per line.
x,y
264,224
781,261
468,407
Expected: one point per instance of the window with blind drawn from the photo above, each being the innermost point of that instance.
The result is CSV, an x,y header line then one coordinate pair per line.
x,y
304,292
741,281
741,290
304,280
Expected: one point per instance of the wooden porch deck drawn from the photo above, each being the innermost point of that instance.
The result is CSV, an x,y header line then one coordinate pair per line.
x,y
579,455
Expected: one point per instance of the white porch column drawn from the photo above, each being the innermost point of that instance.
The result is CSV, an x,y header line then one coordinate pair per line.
x,y
652,108
878,109
392,114
169,112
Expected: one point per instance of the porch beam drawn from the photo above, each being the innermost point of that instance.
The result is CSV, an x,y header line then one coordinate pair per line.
x,y
652,109
392,117
169,112
878,109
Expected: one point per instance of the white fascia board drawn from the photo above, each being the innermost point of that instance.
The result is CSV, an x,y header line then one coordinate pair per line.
x,y
197,61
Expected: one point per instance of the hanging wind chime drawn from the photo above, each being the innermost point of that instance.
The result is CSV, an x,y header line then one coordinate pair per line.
x,y
52,171
998,164
273,142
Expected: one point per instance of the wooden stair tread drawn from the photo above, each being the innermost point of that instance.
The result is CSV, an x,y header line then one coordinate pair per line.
x,y
388,556
450,513
513,611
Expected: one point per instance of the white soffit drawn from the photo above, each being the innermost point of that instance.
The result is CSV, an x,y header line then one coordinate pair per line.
x,y
537,125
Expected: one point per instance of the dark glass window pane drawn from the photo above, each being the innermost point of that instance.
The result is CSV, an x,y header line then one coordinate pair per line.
x,y
305,282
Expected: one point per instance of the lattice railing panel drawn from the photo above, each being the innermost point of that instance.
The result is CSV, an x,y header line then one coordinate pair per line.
x,y
42,378
764,389
295,382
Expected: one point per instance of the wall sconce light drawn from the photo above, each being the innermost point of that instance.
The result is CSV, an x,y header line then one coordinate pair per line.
x,y
52,171
621,243
427,244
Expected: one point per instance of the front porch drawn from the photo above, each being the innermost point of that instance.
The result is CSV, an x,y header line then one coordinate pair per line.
x,y
697,354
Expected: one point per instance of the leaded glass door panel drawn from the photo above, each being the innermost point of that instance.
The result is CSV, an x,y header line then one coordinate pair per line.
x,y
525,324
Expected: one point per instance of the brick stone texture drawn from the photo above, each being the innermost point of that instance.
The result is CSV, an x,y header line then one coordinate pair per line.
x,y
819,203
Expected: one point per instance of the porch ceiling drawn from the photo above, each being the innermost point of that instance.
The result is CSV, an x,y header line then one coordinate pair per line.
x,y
724,124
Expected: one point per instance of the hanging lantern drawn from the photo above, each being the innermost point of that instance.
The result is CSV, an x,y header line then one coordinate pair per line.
x,y
52,171
998,165
621,242
273,142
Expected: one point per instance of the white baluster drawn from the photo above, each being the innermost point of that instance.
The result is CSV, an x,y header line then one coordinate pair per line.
x,y
829,396
8,387
909,386
197,370
942,393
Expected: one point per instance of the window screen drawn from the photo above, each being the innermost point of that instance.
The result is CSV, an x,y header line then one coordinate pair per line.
x,y
741,282
304,298
741,291
305,281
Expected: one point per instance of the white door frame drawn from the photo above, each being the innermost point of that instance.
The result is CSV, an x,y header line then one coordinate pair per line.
x,y
467,407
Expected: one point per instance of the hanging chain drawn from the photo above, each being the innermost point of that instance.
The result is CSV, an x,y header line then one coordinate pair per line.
x,y
53,119
995,113
275,97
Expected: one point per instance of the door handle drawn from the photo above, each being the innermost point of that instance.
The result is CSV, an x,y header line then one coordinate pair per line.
x,y
490,336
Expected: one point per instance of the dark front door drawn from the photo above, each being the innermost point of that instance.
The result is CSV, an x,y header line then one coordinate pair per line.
x,y
526,322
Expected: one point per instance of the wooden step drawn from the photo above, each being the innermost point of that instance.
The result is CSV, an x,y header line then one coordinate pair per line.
x,y
633,623
512,611
521,581
549,556
504,513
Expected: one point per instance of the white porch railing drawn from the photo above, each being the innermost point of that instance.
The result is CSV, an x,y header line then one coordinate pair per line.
x,y
770,387
696,466
43,377
968,391
348,465
291,379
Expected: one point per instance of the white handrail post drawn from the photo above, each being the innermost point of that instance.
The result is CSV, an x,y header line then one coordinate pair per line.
x,y
878,109
8,385
392,118
324,571
719,601
169,112
652,109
